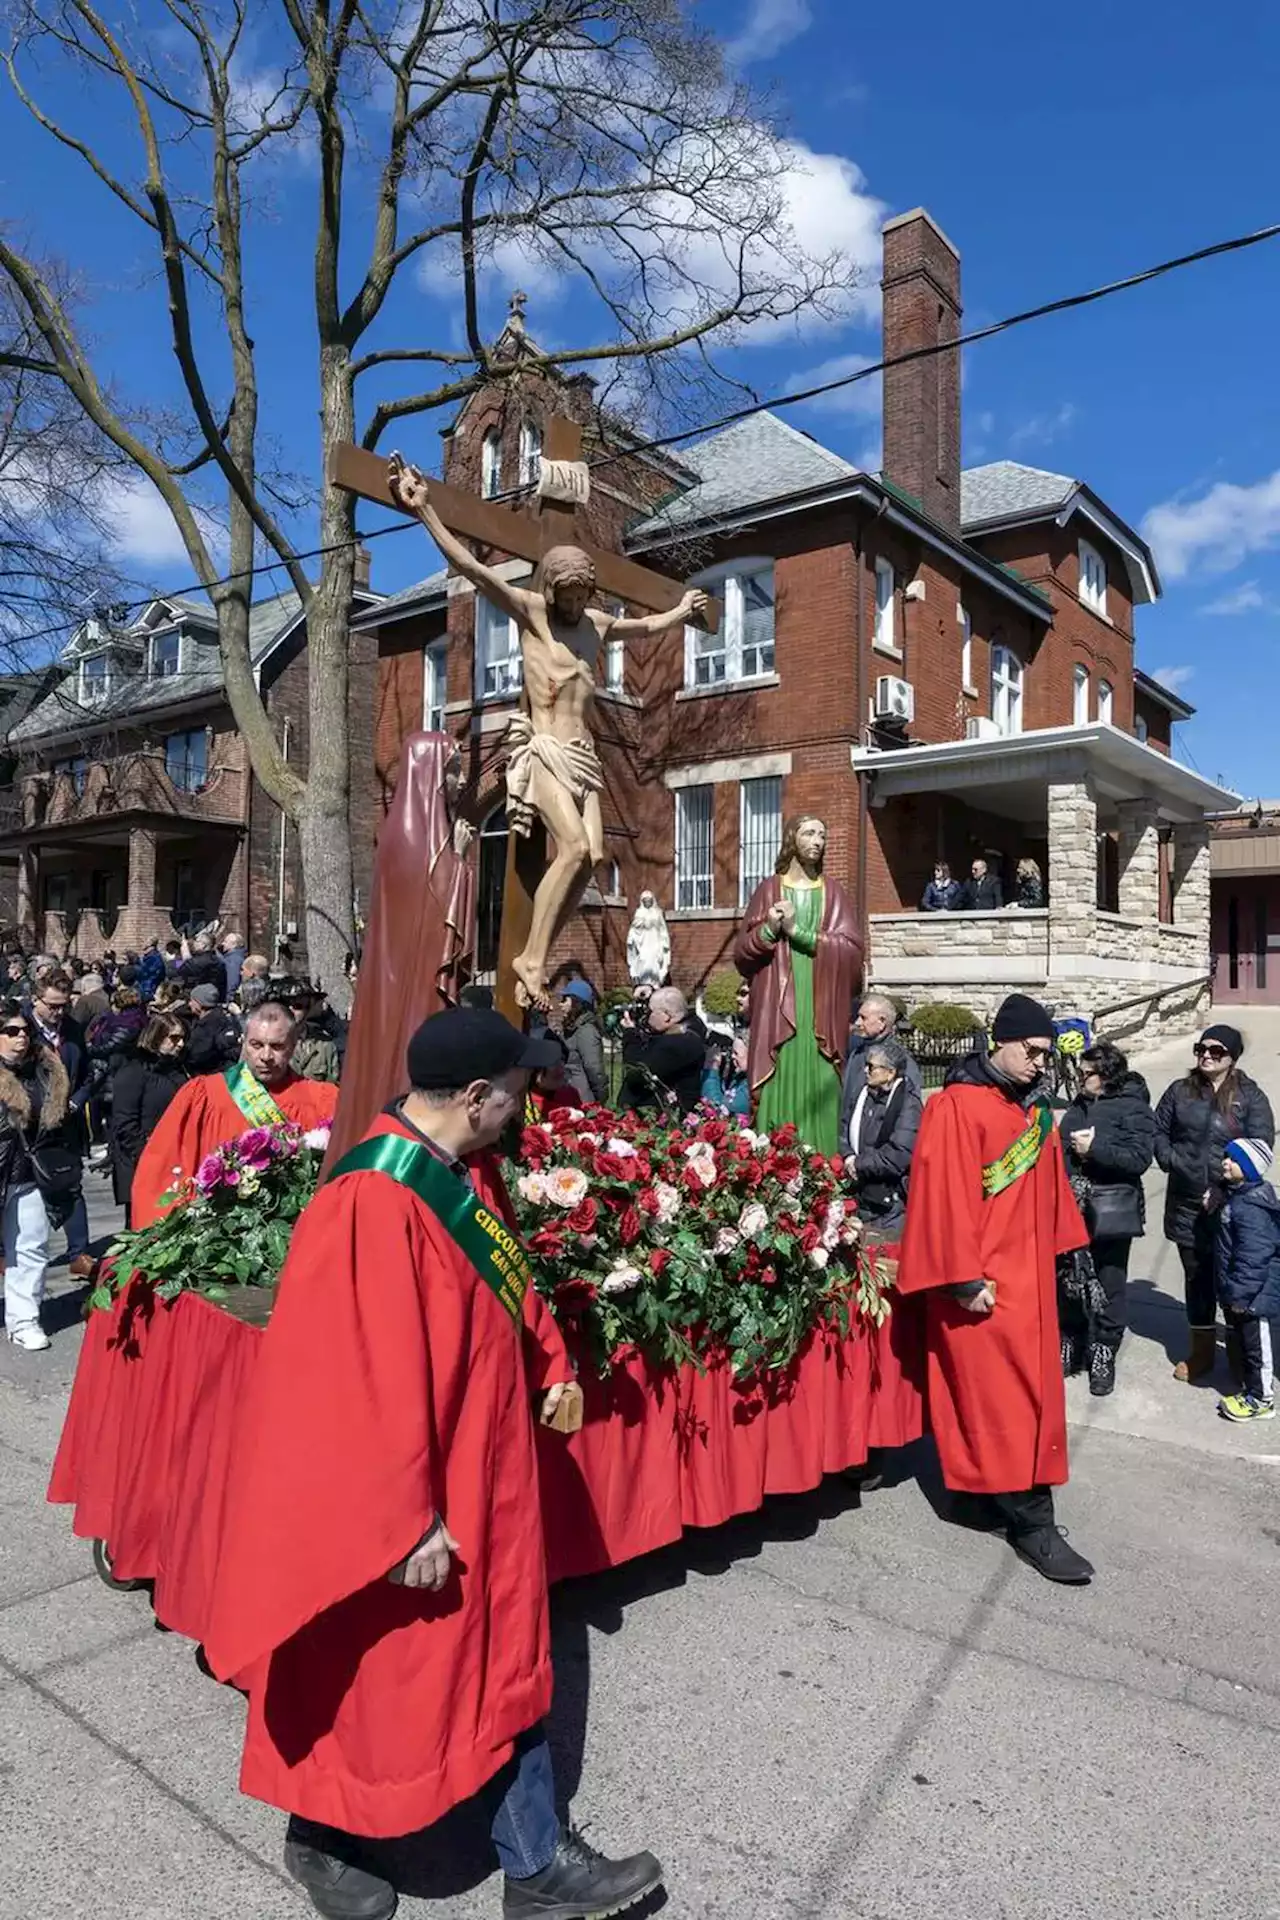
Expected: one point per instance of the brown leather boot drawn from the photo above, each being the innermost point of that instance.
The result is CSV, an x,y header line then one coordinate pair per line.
x,y
1200,1362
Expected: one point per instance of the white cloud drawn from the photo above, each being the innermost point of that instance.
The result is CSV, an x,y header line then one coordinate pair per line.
x,y
1044,428
1174,678
1217,531
862,399
1246,598
769,26
140,528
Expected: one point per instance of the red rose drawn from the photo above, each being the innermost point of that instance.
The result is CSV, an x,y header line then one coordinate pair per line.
x,y
817,1163
534,1140
785,1136
786,1166
630,1227
767,1276
836,1164
716,1131
584,1216
690,1181
572,1295
615,1166
648,1203
809,1237
753,1174
548,1241
659,1261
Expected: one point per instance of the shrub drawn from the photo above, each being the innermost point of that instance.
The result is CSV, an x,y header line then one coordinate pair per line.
x,y
942,1016
720,995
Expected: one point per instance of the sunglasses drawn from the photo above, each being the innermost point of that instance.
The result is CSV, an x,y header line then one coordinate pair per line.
x,y
1037,1053
14,1033
1212,1051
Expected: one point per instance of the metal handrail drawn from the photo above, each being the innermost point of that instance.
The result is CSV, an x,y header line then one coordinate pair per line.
x,y
1155,993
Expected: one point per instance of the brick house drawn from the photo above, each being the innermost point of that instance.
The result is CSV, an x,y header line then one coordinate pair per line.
x,y
939,664
132,812
1245,905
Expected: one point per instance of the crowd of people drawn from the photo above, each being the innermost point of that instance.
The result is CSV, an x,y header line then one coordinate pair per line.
x,y
983,891
92,1056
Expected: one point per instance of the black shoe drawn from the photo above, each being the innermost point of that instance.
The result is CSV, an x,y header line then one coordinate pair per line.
x,y
339,1889
1046,1549
1075,1354
580,1884
1102,1371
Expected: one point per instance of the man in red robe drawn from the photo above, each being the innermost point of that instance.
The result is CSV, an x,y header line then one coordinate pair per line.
x,y
989,1211
382,1584
260,1090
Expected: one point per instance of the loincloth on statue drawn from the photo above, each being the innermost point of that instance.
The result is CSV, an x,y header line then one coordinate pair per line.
x,y
572,764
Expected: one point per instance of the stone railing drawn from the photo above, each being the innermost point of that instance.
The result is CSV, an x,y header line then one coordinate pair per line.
x,y
920,936
1123,936
134,783
1184,948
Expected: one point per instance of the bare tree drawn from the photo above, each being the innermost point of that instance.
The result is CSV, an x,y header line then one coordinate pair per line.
x,y
594,138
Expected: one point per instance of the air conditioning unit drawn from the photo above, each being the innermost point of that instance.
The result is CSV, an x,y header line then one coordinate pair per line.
x,y
980,728
895,699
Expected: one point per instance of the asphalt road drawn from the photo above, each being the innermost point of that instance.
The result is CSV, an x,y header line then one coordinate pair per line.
x,y
833,1709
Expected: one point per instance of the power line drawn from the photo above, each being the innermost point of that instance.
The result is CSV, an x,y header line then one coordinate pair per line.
x,y
1063,305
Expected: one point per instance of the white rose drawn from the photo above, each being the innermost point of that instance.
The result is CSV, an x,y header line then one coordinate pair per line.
x,y
317,1139
532,1187
819,1258
700,1150
851,1234
706,1171
752,1221
835,1212
566,1186
669,1201
726,1240
589,1140
624,1147
831,1238
622,1279
794,1188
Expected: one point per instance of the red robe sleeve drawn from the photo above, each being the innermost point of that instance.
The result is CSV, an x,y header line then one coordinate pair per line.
x,y
942,1240
340,1409
190,1127
308,1103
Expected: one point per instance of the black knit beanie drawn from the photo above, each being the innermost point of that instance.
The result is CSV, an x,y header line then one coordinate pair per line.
x,y
1229,1037
1022,1018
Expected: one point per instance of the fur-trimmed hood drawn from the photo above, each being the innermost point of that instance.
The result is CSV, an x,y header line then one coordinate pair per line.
x,y
15,1100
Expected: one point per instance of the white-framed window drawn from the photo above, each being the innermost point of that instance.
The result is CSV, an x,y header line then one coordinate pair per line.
x,y
1006,690
499,667
1093,579
744,647
612,880
759,833
435,668
95,680
1141,731
615,665
186,759
695,846
165,655
886,635
1080,696
491,464
966,650
1106,703
530,452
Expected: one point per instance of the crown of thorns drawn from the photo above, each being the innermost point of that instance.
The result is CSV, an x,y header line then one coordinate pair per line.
x,y
566,567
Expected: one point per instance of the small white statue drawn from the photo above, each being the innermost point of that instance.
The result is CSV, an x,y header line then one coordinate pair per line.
x,y
648,944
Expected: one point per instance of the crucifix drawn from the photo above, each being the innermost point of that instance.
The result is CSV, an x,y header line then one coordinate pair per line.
x,y
553,771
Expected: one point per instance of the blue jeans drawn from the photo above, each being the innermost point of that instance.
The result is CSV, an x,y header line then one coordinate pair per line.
x,y
525,1826
76,1225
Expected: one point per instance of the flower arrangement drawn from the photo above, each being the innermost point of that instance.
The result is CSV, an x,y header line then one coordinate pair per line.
x,y
230,1224
689,1240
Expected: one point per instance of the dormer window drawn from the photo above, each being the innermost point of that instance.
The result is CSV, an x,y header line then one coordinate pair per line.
x,y
95,680
166,655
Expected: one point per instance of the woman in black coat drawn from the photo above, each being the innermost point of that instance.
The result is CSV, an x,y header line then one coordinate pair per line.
x,y
1109,1133
140,1092
881,1140
1194,1121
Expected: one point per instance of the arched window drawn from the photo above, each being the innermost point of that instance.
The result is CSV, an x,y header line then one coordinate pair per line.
x,y
491,869
1080,697
491,464
530,453
1006,690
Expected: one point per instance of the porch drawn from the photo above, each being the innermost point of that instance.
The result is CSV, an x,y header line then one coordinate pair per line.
x,y
1121,836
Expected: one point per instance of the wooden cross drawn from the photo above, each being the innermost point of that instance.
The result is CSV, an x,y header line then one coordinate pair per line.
x,y
527,534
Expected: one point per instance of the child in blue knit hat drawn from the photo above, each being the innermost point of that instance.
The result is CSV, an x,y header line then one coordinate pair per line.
x,y
1247,1272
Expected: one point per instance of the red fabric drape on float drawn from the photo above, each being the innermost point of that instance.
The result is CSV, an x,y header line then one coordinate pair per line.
x,y
417,941
658,1451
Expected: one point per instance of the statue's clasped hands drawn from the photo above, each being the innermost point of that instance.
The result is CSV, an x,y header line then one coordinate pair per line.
x,y
782,918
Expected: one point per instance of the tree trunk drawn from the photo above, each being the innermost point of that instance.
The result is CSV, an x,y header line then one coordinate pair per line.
x,y
324,819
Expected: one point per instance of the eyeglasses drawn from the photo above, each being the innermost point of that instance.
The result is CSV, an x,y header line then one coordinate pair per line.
x,y
1210,1050
1037,1053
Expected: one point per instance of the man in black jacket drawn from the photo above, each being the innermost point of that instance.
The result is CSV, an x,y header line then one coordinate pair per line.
x,y
50,1009
666,1060
983,893
214,1042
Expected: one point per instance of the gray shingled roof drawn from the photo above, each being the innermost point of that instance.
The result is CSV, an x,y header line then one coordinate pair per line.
x,y
422,593
1005,490
60,711
763,458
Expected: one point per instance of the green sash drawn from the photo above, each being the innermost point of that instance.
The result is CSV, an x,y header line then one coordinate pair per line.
x,y
1021,1156
252,1098
484,1240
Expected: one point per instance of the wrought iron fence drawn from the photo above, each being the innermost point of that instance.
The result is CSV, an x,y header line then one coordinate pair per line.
x,y
936,1052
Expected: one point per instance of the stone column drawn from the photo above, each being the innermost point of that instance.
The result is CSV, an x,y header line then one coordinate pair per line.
x,y
1191,879
28,889
139,921
1073,885
1139,850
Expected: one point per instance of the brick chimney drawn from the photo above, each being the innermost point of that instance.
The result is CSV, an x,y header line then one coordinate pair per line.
x,y
921,287
363,567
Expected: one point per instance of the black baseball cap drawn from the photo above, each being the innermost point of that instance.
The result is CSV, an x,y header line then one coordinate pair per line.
x,y
463,1044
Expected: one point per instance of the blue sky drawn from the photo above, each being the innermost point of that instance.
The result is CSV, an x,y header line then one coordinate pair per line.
x,y
1058,150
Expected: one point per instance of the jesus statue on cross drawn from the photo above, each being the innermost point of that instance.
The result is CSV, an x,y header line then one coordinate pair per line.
x,y
553,769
